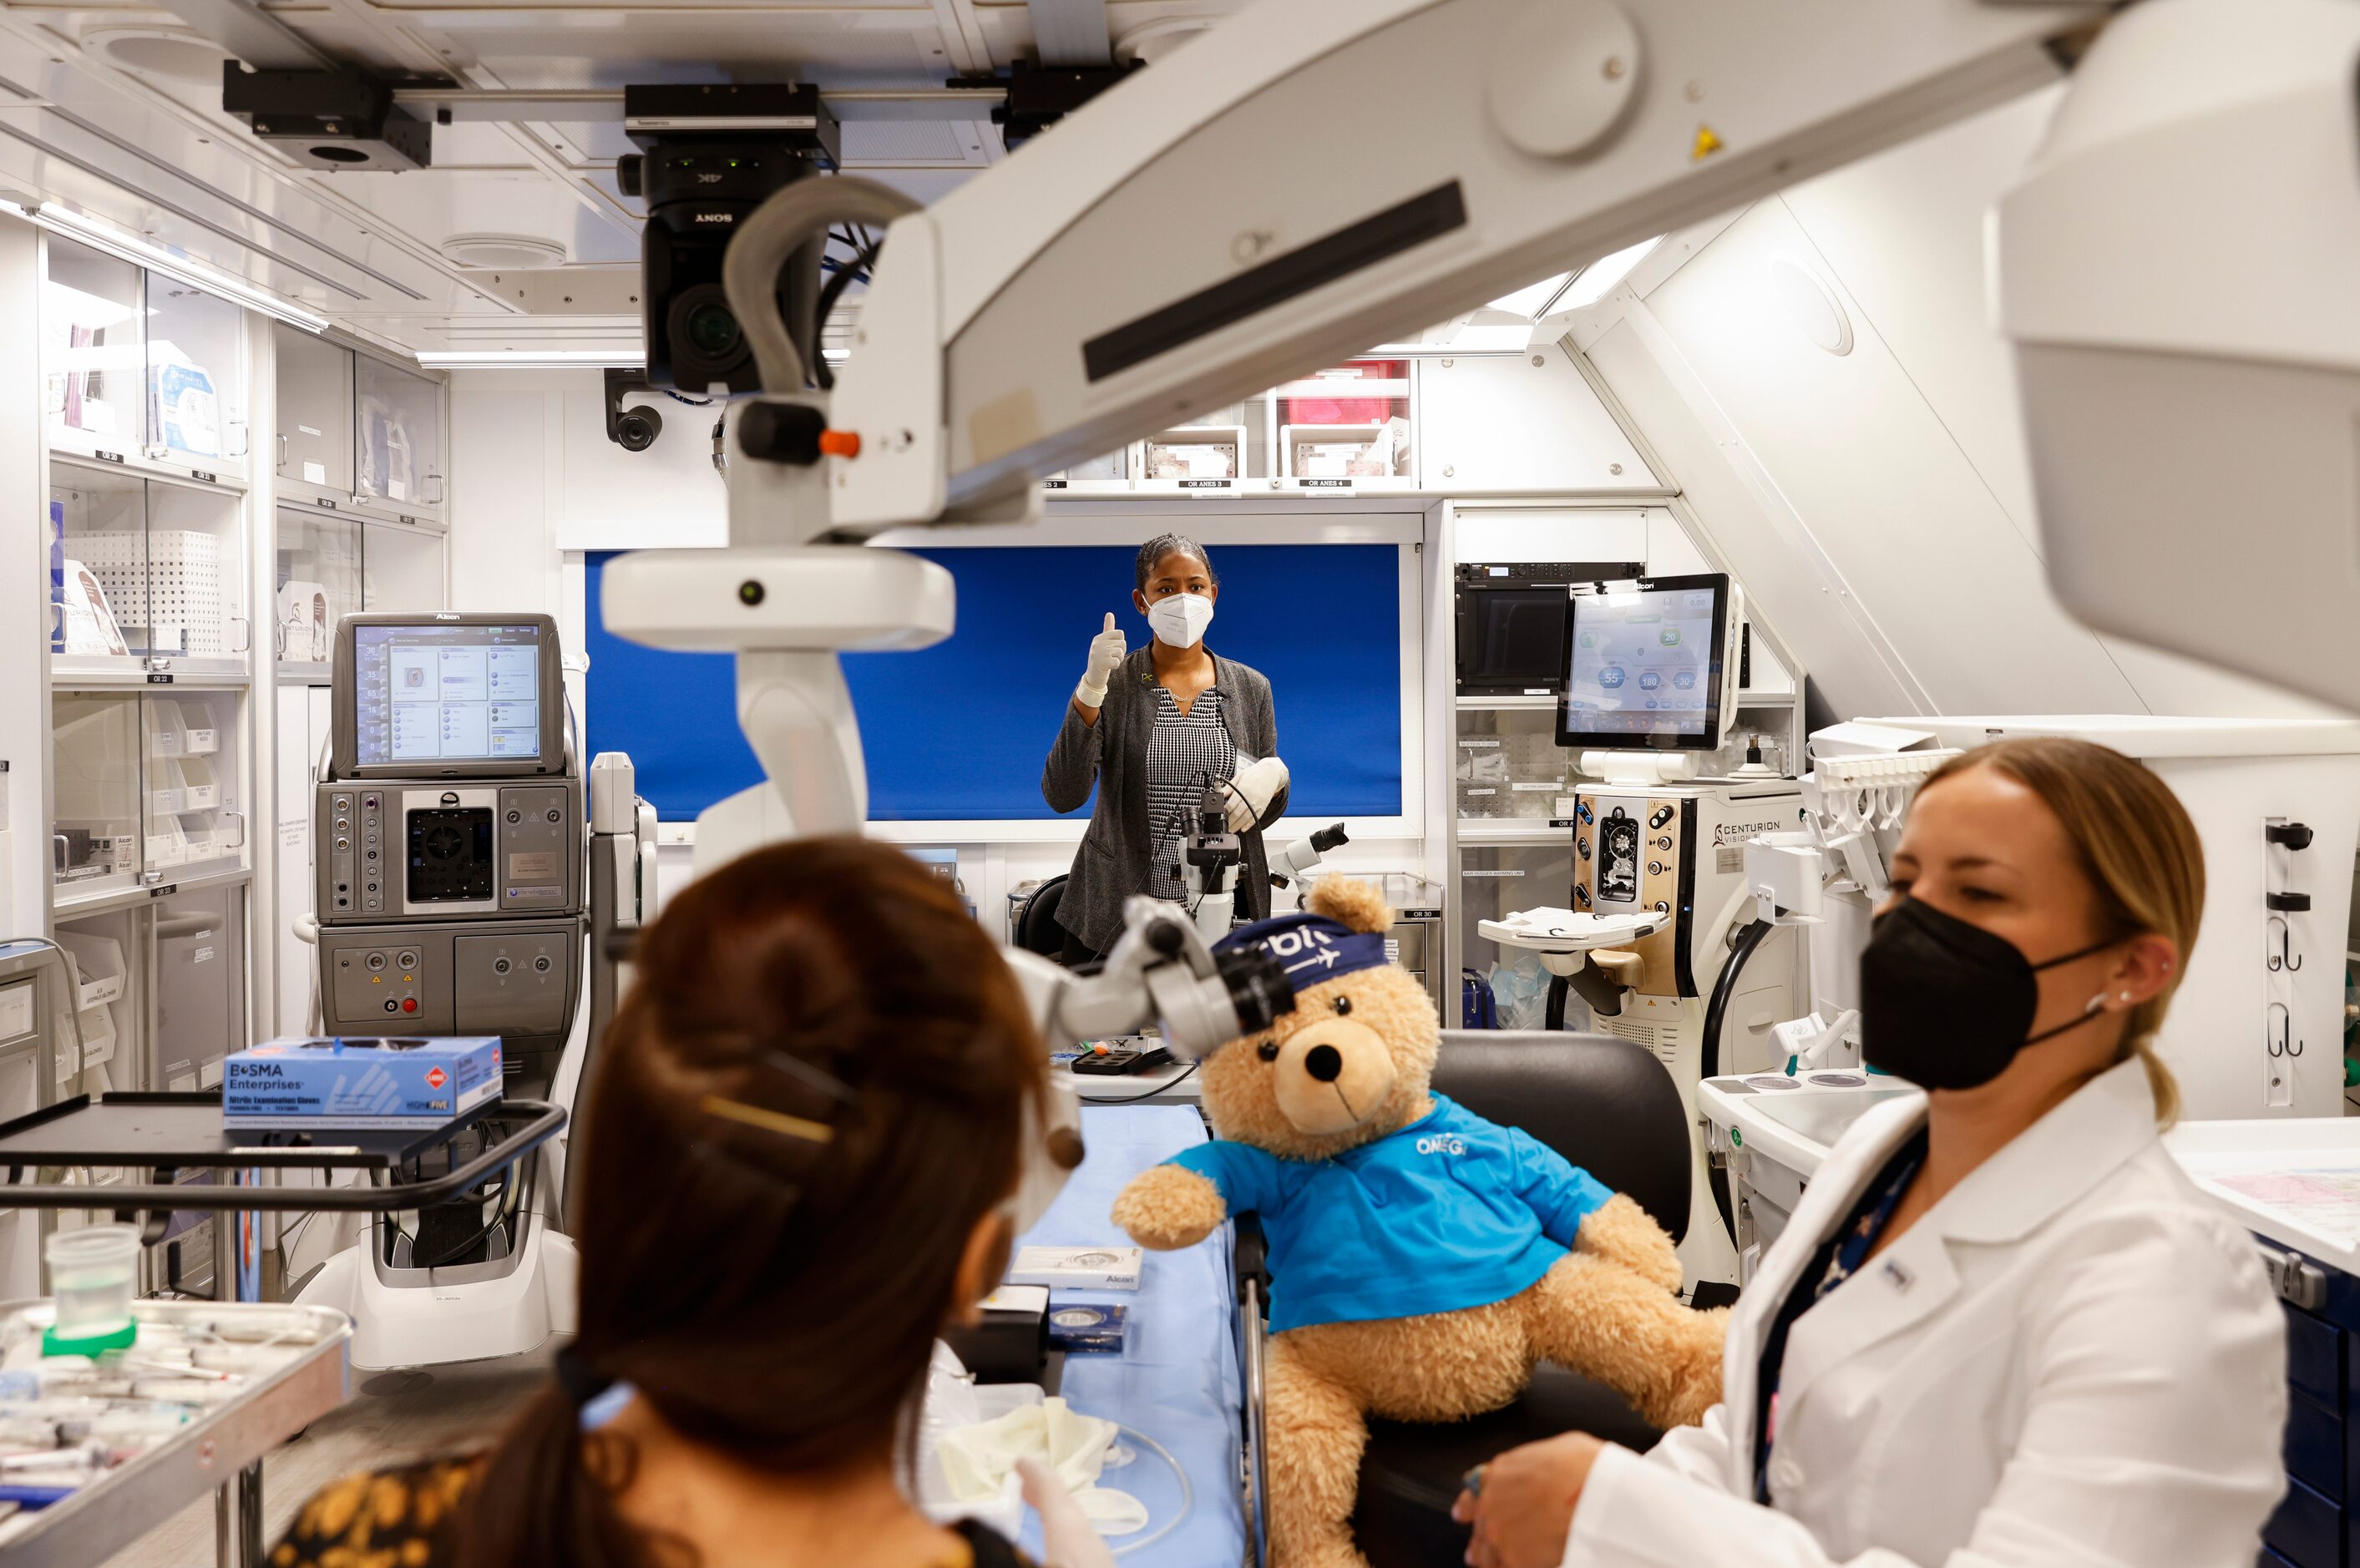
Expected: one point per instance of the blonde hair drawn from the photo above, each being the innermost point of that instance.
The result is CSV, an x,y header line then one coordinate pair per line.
x,y
2137,849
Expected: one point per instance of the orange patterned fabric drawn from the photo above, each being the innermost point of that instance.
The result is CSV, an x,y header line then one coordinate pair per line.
x,y
402,1518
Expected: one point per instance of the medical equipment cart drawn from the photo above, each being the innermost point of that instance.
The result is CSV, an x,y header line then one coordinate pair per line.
x,y
160,1134
220,1451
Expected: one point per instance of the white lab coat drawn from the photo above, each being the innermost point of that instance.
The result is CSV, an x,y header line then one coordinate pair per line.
x,y
2073,1358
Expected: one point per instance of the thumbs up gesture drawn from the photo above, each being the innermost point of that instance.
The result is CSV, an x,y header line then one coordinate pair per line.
x,y
1107,654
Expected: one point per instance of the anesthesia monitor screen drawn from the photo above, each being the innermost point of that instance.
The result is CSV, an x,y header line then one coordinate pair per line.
x,y
447,693
1644,667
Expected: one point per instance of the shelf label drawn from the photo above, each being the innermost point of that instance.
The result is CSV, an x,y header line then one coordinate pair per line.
x,y
410,520
158,679
323,501
1055,484
107,456
1325,487
1208,484
164,891
208,478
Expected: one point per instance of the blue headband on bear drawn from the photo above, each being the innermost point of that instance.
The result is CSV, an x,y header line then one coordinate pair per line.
x,y
1310,948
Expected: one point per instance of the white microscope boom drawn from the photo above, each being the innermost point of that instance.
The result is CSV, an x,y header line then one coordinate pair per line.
x,y
1311,177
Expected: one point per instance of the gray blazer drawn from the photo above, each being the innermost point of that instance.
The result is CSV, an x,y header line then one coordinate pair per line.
x,y
1111,863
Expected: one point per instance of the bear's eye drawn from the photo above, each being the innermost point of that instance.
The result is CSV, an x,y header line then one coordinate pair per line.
x,y
1267,1051
1343,1004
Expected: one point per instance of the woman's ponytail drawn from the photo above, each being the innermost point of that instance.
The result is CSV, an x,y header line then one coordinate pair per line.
x,y
545,1496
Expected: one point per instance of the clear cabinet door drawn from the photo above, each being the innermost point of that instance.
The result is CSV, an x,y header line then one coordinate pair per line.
x,y
141,569
397,435
1349,423
1497,881
319,582
98,563
94,764
200,938
93,357
106,956
1505,763
315,411
196,613
193,792
402,568
195,378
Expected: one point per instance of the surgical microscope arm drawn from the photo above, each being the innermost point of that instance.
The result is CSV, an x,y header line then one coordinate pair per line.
x,y
1233,216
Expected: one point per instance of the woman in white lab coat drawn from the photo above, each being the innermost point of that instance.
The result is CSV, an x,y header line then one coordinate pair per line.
x,y
2003,1329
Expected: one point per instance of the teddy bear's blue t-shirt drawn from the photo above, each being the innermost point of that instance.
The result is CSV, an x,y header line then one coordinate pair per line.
x,y
1452,1210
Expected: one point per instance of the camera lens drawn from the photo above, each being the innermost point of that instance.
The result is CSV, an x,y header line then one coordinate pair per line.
x,y
708,342
634,430
1258,986
712,330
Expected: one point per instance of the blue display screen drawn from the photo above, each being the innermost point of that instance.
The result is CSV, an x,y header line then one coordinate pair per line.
x,y
960,731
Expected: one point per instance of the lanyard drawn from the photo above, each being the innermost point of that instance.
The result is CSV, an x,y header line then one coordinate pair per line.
x,y
1836,1260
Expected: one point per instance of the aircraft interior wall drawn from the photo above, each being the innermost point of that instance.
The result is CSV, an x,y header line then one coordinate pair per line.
x,y
1820,377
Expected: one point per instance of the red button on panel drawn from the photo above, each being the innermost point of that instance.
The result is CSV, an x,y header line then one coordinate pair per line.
x,y
409,1004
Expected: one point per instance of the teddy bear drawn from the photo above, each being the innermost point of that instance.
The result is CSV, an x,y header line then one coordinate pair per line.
x,y
1423,1260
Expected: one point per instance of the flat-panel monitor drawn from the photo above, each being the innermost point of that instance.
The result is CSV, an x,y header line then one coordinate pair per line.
x,y
448,695
1648,666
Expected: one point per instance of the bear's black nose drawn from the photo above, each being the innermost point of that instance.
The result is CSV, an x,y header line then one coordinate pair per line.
x,y
1323,1062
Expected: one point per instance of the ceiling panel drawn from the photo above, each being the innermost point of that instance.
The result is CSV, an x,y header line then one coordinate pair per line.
x,y
153,152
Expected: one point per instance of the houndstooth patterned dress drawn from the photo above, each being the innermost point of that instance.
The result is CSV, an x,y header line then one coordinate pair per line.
x,y
1183,753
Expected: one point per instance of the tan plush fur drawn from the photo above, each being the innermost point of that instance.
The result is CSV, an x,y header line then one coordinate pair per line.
x,y
1606,1310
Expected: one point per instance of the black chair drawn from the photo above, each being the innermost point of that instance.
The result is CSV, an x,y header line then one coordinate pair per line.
x,y
1609,1107
1037,930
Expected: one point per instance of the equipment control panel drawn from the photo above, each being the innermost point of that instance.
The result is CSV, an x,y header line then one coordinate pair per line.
x,y
1631,853
513,978
398,849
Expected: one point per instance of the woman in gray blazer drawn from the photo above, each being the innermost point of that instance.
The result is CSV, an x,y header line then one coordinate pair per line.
x,y
1152,730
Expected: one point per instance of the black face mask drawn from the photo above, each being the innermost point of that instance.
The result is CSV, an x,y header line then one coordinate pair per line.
x,y
1947,1004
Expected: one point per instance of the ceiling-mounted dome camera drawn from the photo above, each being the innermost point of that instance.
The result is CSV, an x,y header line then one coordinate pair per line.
x,y
634,429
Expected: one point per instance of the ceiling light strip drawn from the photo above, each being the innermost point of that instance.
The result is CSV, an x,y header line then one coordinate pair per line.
x,y
179,268
625,356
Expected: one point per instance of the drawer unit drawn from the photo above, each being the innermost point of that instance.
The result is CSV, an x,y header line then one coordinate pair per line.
x,y
2307,1529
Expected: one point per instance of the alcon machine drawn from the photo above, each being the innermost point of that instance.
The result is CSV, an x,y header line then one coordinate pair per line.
x,y
472,876
1659,905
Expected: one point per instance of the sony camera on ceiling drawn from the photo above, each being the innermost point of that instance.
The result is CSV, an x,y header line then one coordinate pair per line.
x,y
708,157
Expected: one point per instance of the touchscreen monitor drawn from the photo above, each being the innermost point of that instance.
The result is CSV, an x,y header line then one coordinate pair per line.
x,y
445,695
1645,665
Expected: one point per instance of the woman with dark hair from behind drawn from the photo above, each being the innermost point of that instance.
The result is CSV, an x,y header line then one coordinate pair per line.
x,y
796,1168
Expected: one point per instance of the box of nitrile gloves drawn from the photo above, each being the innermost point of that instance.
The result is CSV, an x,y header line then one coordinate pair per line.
x,y
360,1082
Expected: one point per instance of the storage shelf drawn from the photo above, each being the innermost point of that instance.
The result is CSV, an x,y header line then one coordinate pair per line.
x,y
65,904
1541,704
191,475
1765,699
108,673
1512,831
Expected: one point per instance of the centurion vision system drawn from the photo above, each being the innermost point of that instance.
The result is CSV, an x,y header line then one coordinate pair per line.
x,y
450,841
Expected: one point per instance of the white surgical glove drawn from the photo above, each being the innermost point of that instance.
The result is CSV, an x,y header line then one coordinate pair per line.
x,y
1107,654
1068,1538
1251,791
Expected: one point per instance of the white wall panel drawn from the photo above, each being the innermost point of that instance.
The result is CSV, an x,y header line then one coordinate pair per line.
x,y
1752,526
1916,535
504,463
1506,424
1877,503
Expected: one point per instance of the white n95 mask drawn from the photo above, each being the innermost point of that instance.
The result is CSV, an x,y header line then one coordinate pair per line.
x,y
1180,620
